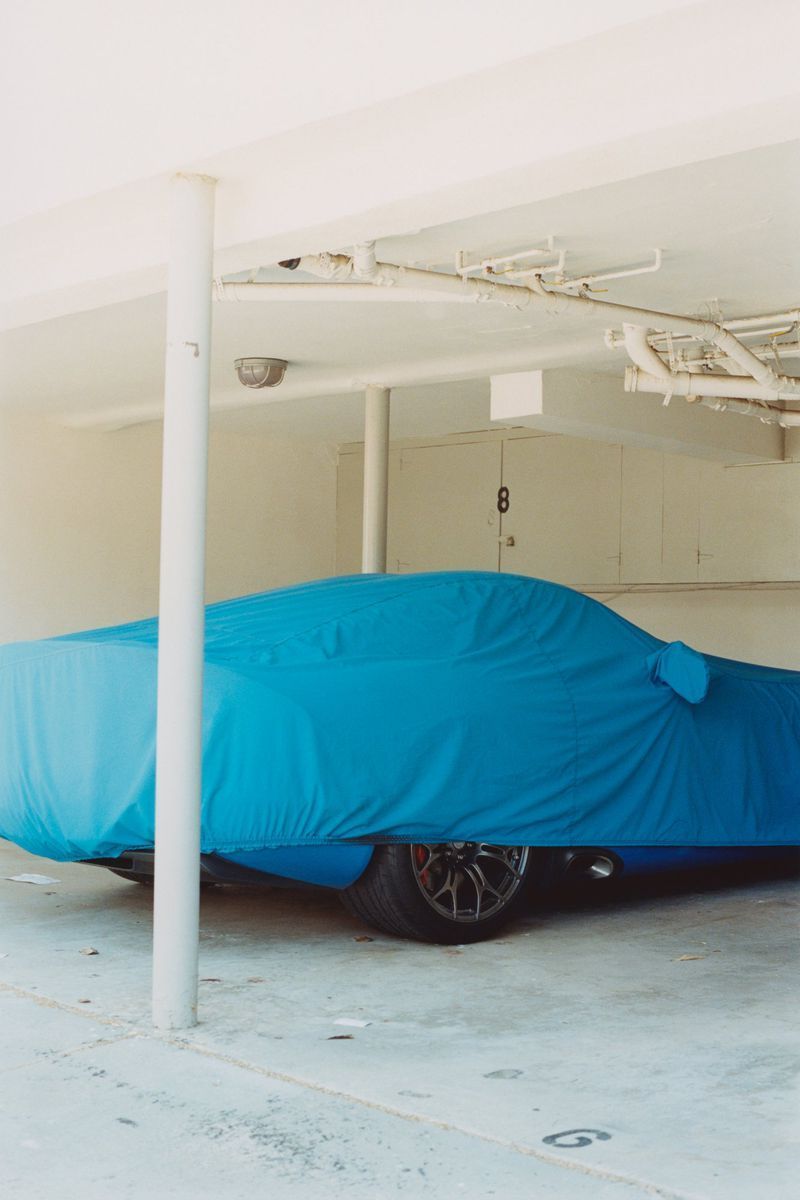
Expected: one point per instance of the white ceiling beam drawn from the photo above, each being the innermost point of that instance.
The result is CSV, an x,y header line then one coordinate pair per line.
x,y
595,406
509,135
105,99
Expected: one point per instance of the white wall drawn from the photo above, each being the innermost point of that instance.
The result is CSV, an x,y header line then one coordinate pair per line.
x,y
688,549
757,626
79,521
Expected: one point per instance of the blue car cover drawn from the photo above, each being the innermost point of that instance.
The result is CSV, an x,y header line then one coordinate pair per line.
x,y
405,708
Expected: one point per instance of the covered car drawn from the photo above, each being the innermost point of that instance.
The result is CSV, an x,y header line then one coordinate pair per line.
x,y
458,709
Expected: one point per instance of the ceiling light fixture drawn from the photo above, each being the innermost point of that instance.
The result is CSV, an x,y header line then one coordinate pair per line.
x,y
260,372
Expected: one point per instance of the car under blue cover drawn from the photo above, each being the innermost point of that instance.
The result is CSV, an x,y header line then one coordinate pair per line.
x,y
439,710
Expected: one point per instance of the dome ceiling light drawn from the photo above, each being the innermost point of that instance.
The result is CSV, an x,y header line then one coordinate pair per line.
x,y
260,372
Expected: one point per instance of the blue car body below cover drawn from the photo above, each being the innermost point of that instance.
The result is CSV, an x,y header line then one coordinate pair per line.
x,y
405,708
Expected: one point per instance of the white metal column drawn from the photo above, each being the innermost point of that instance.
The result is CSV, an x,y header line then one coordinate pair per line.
x,y
181,603
376,479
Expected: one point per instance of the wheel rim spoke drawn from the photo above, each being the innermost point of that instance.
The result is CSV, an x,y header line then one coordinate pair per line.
x,y
485,885
433,856
500,858
479,884
468,881
450,886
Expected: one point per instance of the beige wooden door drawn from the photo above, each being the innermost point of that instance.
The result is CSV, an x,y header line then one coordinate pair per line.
x,y
444,516
564,510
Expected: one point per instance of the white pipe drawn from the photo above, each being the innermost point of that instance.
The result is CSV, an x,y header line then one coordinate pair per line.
x,y
518,296
772,323
777,331
691,383
642,353
491,264
685,383
585,280
541,269
181,621
714,391
771,318
652,364
706,331
364,263
325,293
376,479
336,266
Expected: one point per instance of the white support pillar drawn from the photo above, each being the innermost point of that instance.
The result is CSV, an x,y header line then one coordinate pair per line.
x,y
181,603
376,479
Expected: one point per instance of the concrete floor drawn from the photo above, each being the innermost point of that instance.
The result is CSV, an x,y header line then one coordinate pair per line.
x,y
659,1022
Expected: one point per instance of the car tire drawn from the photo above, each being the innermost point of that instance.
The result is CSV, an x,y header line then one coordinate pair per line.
x,y
449,893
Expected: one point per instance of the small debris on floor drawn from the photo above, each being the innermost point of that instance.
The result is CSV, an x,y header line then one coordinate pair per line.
x,y
504,1073
341,1037
84,1002
40,879
89,950
256,979
689,957
363,937
352,1021
210,979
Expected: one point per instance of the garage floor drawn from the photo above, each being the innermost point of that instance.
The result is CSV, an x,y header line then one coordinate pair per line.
x,y
660,1024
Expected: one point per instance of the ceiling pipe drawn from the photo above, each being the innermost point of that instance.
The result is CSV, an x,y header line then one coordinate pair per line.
x,y
586,281
770,325
715,394
365,265
642,353
324,293
340,266
651,374
706,331
753,323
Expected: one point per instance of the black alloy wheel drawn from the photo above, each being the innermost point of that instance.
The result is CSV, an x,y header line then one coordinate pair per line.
x,y
445,892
